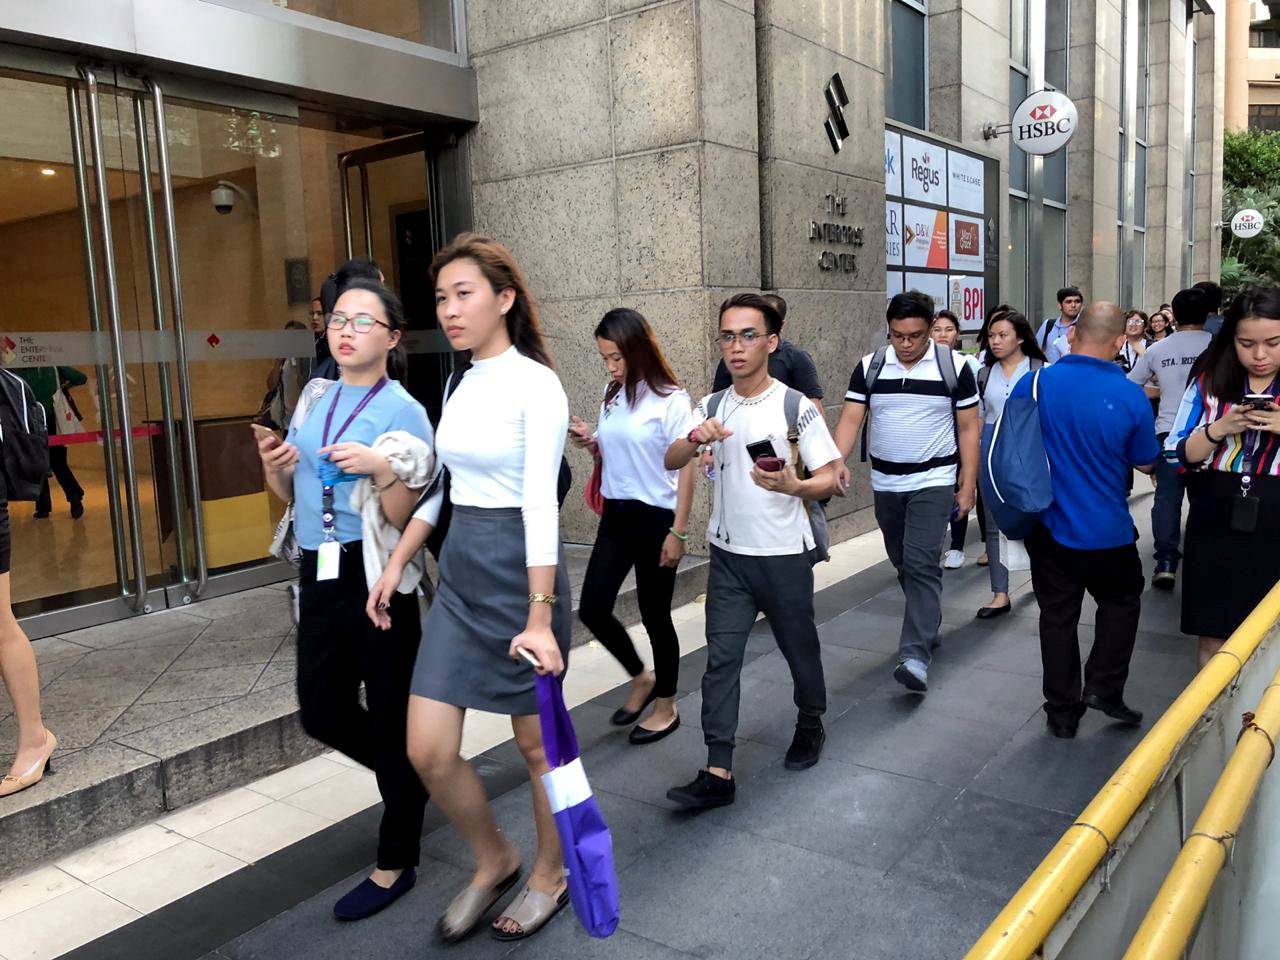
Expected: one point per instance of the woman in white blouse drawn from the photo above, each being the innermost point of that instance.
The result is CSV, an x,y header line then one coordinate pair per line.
x,y
1012,352
503,586
646,513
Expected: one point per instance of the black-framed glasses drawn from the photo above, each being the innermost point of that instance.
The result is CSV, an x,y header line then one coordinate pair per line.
x,y
729,338
362,322
908,337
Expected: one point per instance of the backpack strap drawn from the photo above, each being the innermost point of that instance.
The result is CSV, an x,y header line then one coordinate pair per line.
x,y
791,405
873,374
1048,329
984,375
714,401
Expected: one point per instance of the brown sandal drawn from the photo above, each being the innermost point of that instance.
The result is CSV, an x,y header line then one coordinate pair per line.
x,y
531,909
469,907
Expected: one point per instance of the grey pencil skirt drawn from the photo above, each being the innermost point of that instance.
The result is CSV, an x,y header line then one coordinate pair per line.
x,y
481,604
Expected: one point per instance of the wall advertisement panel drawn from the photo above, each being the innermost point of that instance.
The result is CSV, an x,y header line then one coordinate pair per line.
x,y
942,223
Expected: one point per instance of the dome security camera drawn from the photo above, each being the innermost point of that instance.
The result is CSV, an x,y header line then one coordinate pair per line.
x,y
223,199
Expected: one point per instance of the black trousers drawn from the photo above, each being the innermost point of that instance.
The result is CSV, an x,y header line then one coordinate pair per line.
x,y
338,647
71,488
738,588
631,535
960,526
1060,576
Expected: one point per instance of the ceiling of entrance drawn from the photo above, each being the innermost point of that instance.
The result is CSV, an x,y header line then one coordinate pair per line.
x,y
28,191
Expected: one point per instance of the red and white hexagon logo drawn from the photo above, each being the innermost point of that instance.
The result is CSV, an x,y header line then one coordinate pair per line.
x,y
1043,113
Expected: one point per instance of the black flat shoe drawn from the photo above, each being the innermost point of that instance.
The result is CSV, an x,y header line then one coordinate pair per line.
x,y
706,790
368,898
990,613
1116,711
641,735
622,717
1063,731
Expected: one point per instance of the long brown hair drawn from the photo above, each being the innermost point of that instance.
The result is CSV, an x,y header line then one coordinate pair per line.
x,y
639,347
1026,336
501,270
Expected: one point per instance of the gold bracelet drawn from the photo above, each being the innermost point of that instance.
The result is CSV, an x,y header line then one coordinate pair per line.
x,y
547,598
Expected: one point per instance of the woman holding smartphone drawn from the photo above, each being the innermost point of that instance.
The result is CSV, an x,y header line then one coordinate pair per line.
x,y
504,589
329,445
646,513
1225,437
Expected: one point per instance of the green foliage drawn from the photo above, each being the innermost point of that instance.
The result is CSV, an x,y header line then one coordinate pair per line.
x,y
1250,179
1251,159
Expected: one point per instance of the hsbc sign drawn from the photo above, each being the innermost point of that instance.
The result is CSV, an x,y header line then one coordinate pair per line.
x,y
1044,122
1247,224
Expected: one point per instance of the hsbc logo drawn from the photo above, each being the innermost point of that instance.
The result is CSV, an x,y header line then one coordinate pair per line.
x,y
1044,122
1043,113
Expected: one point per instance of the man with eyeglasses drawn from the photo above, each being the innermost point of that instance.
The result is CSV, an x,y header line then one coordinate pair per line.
x,y
923,410
760,432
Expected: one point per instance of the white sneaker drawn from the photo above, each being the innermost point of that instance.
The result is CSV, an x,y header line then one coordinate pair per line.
x,y
953,560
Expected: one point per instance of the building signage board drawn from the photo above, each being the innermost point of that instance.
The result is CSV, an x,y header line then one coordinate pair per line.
x,y
1247,224
1044,122
944,201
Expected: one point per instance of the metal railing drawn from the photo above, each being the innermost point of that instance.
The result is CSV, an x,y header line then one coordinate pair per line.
x,y
1029,918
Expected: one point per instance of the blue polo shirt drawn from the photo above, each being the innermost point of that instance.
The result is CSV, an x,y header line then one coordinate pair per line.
x,y
1097,426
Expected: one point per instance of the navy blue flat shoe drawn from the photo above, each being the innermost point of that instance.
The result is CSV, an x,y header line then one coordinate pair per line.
x,y
368,898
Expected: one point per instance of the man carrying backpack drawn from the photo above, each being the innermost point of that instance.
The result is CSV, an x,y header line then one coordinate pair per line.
x,y
923,412
1096,427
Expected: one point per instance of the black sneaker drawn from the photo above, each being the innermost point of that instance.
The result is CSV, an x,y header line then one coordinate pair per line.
x,y
806,747
1062,730
1166,575
1116,711
707,790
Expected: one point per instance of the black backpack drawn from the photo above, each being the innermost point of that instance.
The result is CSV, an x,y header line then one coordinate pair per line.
x,y
24,439
435,540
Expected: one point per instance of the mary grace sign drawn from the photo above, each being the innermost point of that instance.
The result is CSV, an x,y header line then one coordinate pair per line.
x,y
1044,122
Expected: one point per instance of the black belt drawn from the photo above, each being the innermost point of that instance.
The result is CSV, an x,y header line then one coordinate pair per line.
x,y
894,468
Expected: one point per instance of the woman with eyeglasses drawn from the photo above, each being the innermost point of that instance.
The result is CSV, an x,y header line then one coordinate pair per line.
x,y
330,445
1160,324
1135,339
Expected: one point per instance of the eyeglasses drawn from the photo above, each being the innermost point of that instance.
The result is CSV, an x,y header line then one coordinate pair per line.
x,y
362,322
729,338
908,337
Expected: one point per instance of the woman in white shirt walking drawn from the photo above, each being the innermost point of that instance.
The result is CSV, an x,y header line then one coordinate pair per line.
x,y
503,586
646,513
1012,352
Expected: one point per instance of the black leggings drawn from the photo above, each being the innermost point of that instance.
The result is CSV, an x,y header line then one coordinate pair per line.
x,y
960,527
631,535
338,647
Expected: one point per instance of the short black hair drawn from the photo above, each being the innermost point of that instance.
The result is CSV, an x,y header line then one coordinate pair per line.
x,y
1212,294
357,268
1069,292
778,304
754,301
1190,306
912,303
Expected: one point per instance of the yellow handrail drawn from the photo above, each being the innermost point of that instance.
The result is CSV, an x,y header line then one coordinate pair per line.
x,y
1176,910
1022,926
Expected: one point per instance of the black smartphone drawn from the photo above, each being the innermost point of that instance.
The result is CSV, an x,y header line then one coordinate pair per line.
x,y
1257,401
761,448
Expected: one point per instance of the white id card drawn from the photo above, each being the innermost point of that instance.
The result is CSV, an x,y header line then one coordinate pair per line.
x,y
327,560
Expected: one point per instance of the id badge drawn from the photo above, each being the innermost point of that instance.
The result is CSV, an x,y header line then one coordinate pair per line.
x,y
328,559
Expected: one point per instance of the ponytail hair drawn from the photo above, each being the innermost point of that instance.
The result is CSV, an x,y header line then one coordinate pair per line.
x,y
503,273
397,356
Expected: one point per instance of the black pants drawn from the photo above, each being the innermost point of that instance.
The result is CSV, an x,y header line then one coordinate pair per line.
x,y
71,488
738,588
631,535
338,647
1060,576
960,527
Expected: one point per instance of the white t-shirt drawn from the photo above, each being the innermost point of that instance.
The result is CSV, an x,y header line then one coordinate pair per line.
x,y
502,435
747,519
1168,362
633,440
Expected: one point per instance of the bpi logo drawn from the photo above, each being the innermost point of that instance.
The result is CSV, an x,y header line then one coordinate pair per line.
x,y
925,173
837,100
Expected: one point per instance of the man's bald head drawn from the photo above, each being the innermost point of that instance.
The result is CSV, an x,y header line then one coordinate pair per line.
x,y
1098,330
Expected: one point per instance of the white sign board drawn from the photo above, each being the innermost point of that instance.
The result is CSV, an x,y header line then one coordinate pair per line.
x,y
893,284
924,171
1247,224
966,182
1044,122
967,301
893,163
893,233
934,284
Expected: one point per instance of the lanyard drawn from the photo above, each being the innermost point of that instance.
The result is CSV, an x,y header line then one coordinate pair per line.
x,y
326,489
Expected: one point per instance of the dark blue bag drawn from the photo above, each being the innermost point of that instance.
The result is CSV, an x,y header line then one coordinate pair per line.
x,y
1015,468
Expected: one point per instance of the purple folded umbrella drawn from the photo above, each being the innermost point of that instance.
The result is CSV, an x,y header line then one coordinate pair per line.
x,y
584,836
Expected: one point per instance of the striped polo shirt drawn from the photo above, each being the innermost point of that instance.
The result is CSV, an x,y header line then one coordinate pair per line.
x,y
913,433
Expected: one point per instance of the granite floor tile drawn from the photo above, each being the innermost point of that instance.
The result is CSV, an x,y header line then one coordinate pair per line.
x,y
260,833
107,856
133,661
169,875
295,778
89,693
31,889
166,627
203,684
141,716
207,653
266,620
73,728
62,924
204,816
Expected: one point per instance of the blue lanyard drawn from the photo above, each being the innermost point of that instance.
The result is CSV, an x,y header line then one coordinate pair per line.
x,y
326,489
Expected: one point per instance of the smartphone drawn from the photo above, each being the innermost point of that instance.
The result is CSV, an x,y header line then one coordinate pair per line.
x,y
770,464
1257,401
532,660
760,449
260,432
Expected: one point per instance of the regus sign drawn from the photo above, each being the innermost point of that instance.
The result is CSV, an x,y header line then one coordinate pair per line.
x,y
1044,122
